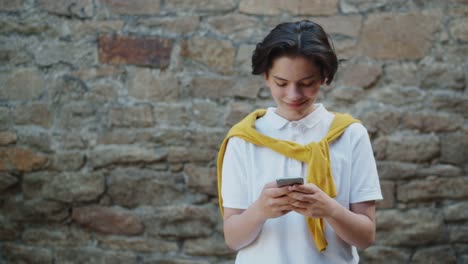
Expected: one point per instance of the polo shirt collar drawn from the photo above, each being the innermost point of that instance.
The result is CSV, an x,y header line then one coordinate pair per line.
x,y
309,121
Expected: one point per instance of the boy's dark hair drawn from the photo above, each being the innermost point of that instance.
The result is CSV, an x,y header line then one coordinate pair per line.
x,y
303,38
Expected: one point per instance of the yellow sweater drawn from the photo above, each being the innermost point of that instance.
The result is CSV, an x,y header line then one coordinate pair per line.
x,y
315,154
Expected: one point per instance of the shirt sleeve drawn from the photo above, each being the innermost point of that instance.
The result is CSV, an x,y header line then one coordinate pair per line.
x,y
365,185
234,187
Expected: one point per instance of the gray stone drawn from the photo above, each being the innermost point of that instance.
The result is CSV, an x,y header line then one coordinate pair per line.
x,y
458,233
458,29
295,7
146,84
347,94
211,139
388,192
30,25
173,114
79,8
22,84
77,115
12,5
66,88
131,116
433,189
393,170
35,139
61,236
441,170
414,227
244,58
237,111
211,246
9,230
36,211
361,75
93,256
136,7
397,95
25,254
436,75
248,87
403,73
454,148
236,26
378,118
102,93
178,25
138,244
384,254
181,221
6,181
355,6
52,52
132,187
103,156
5,118
190,154
440,254
117,137
200,6
67,161
207,113
65,186
408,147
90,28
456,212
7,138
341,25
201,179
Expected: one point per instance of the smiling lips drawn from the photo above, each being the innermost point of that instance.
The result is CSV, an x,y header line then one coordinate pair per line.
x,y
296,104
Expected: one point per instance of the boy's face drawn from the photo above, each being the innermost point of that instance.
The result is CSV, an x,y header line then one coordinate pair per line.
x,y
294,83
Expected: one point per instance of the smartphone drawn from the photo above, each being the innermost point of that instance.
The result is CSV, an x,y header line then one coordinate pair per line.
x,y
289,181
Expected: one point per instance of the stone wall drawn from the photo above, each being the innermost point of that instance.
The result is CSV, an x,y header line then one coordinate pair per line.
x,y
112,111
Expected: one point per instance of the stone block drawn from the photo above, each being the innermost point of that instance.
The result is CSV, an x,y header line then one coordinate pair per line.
x,y
458,234
33,114
145,84
173,114
11,5
138,244
340,25
67,161
22,84
438,254
454,148
408,147
108,220
295,7
201,179
210,246
207,113
9,230
248,87
6,181
433,189
388,192
449,101
458,29
427,121
22,159
200,5
208,87
360,75
384,254
15,253
7,138
456,212
176,25
142,51
237,111
190,154
393,94
53,51
438,75
131,116
394,170
93,255
136,7
236,26
59,236
78,8
103,156
398,36
402,73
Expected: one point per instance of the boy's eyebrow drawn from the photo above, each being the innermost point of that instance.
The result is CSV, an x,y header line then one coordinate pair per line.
x,y
282,79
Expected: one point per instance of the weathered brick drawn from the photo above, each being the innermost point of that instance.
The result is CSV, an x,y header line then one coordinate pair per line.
x,y
152,52
439,254
64,186
77,115
22,84
409,228
51,52
79,8
11,5
131,188
220,58
398,36
433,189
33,114
7,138
200,5
295,7
131,116
146,84
108,220
135,7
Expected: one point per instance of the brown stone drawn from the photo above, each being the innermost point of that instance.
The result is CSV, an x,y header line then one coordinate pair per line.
x,y
135,7
9,230
90,28
24,160
117,137
201,179
146,84
248,87
220,58
391,170
62,236
102,92
398,36
79,8
67,161
295,7
93,255
173,114
454,148
341,25
152,52
432,121
437,75
237,26
408,147
108,220
33,114
7,138
388,192
77,115
190,154
211,87
179,25
200,5
138,244
211,246
361,75
244,58
372,116
238,110
433,189
384,254
207,113
131,116
93,73
450,101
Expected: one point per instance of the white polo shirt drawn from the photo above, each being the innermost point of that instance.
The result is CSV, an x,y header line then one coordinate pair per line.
x,y
247,168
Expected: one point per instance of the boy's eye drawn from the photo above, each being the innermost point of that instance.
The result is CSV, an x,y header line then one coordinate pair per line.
x,y
281,84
